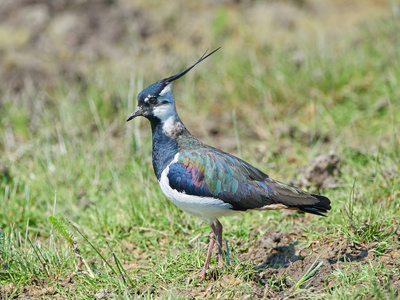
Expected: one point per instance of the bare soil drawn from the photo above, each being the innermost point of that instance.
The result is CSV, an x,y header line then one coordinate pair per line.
x,y
282,259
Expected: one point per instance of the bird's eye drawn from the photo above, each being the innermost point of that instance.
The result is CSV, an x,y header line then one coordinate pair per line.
x,y
153,100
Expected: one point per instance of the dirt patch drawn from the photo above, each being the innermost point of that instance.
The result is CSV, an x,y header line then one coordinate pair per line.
x,y
323,172
39,289
27,292
283,258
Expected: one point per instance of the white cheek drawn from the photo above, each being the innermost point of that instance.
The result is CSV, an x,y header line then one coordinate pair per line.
x,y
164,111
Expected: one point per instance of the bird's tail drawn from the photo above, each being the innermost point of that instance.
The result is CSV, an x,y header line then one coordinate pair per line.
x,y
289,197
319,208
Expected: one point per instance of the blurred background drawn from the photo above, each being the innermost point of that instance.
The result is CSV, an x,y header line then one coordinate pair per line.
x,y
294,80
54,54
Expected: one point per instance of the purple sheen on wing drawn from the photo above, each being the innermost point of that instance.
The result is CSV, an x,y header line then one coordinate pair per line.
x,y
197,176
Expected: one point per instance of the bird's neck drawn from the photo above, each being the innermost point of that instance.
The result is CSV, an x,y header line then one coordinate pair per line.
x,y
165,146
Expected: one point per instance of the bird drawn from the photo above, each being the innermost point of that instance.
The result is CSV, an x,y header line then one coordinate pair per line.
x,y
204,181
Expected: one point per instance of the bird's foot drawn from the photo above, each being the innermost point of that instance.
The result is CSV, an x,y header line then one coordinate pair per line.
x,y
198,277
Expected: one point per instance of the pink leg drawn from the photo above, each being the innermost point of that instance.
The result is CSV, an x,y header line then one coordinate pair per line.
x,y
218,232
202,274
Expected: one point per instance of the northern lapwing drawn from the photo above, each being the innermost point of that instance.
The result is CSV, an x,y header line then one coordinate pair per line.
x,y
207,182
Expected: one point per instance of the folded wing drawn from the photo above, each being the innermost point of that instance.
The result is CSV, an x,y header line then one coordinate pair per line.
x,y
213,173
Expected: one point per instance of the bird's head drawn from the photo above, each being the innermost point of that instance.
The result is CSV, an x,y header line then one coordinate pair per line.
x,y
157,100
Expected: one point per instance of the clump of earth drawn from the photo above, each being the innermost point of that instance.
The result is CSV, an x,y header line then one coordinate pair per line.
x,y
323,172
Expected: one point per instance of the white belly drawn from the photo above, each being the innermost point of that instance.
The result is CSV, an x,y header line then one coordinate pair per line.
x,y
206,208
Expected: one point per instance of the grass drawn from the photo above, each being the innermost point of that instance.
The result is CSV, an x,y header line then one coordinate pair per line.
x,y
307,275
71,155
368,282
